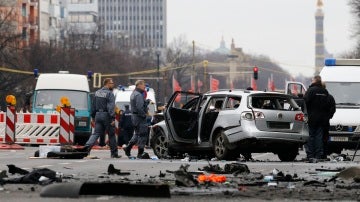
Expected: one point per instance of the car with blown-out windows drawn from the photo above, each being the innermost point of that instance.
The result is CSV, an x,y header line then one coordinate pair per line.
x,y
228,123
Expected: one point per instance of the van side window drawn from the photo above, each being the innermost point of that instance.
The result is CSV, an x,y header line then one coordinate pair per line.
x,y
232,102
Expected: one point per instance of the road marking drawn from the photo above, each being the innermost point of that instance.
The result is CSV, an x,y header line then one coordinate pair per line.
x,y
81,161
262,155
44,166
64,163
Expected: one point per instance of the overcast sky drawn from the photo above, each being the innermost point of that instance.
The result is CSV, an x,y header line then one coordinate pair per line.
x,y
284,30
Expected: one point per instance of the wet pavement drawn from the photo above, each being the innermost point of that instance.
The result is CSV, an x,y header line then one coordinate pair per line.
x,y
268,179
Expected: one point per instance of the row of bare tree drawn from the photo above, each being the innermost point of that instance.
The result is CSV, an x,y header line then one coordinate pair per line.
x,y
81,53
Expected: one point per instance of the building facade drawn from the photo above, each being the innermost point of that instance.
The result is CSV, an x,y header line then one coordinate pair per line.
x,y
22,20
79,16
134,23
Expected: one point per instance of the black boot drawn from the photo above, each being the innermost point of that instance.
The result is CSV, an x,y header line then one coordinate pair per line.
x,y
127,149
140,153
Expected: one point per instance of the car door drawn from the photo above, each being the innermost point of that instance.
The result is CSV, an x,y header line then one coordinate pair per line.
x,y
295,88
182,116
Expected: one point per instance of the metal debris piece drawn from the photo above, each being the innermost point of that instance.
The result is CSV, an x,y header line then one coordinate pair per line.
x,y
231,168
75,190
184,178
314,183
113,171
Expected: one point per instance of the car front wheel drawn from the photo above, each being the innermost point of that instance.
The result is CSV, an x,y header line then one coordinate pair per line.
x,y
220,150
159,143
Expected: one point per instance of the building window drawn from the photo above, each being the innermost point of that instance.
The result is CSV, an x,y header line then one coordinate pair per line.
x,y
23,10
24,34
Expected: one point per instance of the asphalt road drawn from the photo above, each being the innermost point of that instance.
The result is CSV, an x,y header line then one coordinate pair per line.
x,y
147,171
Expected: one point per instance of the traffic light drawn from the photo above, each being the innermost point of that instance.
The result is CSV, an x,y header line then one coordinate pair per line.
x,y
256,71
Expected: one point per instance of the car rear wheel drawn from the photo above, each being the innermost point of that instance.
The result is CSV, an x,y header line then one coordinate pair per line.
x,y
288,155
220,150
160,145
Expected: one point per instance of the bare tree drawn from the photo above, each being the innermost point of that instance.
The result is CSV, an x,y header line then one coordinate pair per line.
x,y
10,53
355,9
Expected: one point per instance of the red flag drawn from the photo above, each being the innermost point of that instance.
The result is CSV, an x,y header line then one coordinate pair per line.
x,y
271,85
176,87
253,84
192,84
214,84
199,85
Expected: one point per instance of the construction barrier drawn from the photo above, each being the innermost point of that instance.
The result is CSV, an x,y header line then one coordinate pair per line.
x,y
37,128
10,125
66,135
32,128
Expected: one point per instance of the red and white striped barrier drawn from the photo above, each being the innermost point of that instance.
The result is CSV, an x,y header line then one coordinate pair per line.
x,y
34,128
2,125
66,135
72,125
10,125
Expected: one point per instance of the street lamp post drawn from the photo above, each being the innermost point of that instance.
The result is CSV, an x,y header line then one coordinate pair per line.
x,y
205,64
158,75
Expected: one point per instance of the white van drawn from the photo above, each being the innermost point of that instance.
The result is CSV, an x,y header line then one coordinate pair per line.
x,y
342,79
50,87
122,98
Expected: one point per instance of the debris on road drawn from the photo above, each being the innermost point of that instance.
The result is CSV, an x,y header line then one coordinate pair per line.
x,y
314,183
231,168
351,173
75,190
37,176
67,155
339,157
113,171
211,178
16,170
184,178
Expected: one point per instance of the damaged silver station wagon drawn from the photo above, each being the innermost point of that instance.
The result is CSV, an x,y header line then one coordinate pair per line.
x,y
228,123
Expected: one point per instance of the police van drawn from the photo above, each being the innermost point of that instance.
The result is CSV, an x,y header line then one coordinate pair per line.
x,y
342,80
50,87
122,97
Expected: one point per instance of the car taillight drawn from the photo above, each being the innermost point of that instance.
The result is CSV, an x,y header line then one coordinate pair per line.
x,y
252,115
299,117
247,116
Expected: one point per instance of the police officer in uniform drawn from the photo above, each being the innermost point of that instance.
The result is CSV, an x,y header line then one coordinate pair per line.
x,y
126,126
139,109
103,111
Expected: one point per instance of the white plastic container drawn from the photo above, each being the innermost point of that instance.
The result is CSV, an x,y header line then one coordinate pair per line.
x,y
44,150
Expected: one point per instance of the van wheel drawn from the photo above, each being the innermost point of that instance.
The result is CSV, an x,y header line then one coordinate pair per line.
x,y
219,145
289,155
160,145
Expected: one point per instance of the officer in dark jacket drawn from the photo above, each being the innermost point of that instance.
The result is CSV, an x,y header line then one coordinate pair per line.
x,y
126,126
316,100
326,127
139,109
103,111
